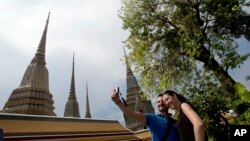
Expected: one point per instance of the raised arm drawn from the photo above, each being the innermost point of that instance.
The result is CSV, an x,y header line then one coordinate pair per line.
x,y
198,125
126,110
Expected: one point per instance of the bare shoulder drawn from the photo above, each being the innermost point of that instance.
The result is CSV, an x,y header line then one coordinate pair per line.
x,y
187,108
185,105
190,113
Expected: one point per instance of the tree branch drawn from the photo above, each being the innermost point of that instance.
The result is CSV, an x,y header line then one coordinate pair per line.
x,y
160,17
190,2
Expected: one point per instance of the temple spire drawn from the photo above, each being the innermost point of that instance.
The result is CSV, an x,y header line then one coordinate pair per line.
x,y
33,95
40,53
72,86
87,115
134,99
72,107
128,69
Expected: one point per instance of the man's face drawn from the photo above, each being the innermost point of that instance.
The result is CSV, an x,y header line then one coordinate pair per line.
x,y
161,106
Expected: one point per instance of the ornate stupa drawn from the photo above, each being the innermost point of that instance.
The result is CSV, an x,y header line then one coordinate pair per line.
x,y
72,107
87,115
135,100
33,95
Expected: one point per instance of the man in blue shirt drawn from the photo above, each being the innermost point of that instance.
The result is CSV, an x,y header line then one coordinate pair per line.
x,y
162,127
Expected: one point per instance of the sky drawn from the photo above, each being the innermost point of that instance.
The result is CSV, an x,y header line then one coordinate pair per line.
x,y
89,28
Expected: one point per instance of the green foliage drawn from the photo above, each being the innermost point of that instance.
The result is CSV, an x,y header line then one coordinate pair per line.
x,y
242,105
235,20
169,39
210,104
188,46
218,101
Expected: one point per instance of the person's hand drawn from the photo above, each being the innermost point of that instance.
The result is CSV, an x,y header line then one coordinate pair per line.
x,y
115,97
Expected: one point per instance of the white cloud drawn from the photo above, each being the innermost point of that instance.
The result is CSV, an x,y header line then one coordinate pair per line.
x,y
91,29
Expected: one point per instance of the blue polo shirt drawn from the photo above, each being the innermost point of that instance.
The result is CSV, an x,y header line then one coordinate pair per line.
x,y
158,125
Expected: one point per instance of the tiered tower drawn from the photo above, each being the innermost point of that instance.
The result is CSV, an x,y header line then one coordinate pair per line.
x,y
33,95
135,100
72,107
87,115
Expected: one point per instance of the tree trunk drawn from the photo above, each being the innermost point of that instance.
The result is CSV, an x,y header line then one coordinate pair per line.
x,y
210,63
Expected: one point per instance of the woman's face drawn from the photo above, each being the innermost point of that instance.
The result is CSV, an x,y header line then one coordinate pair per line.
x,y
170,101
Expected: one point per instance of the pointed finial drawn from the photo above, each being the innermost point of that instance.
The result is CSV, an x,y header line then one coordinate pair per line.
x,y
73,58
40,53
124,51
128,69
72,86
87,87
48,18
125,56
72,107
87,114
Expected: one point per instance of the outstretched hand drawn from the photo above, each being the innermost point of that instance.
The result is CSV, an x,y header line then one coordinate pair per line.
x,y
140,117
115,97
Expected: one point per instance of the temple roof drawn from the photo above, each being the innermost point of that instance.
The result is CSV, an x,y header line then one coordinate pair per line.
x,y
17,126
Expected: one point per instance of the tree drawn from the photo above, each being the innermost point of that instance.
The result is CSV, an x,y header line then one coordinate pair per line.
x,y
173,40
188,45
242,105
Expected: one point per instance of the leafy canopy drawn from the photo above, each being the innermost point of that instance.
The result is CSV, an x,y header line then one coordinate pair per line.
x,y
189,46
176,43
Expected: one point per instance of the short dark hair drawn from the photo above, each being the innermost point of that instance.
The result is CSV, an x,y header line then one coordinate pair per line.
x,y
172,93
159,95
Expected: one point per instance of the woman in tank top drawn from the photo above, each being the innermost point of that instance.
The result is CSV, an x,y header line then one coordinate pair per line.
x,y
189,123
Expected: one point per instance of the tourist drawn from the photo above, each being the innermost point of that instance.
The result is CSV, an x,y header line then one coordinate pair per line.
x,y
162,127
189,123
